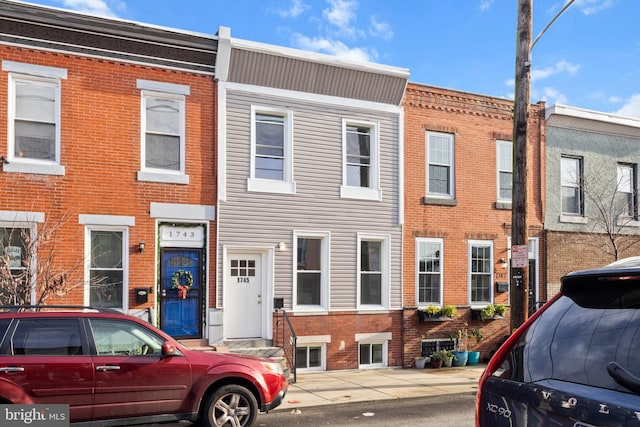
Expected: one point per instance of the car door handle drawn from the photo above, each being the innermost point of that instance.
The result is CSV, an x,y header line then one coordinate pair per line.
x,y
105,368
9,369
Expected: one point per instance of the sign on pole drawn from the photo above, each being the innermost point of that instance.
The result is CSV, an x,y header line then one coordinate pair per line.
x,y
519,256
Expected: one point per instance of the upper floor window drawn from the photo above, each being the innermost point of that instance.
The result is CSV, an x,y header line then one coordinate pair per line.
x,y
361,161
627,190
312,270
34,118
373,272
504,161
163,132
571,182
429,271
440,165
481,271
271,151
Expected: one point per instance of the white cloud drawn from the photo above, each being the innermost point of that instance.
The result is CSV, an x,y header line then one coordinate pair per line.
x,y
557,68
590,7
297,8
631,107
380,29
94,7
551,96
486,4
334,47
342,14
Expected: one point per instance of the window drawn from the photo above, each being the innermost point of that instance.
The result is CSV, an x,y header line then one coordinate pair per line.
x,y
47,337
571,182
440,164
309,357
481,271
312,270
372,349
373,277
361,161
271,151
429,264
627,190
107,269
163,132
34,118
504,162
14,243
122,338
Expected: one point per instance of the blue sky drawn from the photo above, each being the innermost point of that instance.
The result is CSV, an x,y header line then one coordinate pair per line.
x,y
589,58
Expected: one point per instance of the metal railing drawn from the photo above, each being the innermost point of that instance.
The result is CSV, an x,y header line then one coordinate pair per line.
x,y
285,337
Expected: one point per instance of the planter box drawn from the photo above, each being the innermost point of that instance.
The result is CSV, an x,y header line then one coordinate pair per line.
x,y
426,317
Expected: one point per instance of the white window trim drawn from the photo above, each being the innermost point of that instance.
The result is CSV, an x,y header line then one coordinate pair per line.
x,y
125,260
325,237
373,192
375,338
491,273
385,264
500,143
574,217
35,73
315,341
452,190
440,241
30,220
170,91
287,185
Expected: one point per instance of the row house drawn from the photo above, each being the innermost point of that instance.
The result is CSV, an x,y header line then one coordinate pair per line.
x,y
591,216
107,136
309,203
457,202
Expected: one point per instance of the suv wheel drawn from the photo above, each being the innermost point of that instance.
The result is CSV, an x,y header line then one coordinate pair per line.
x,y
230,405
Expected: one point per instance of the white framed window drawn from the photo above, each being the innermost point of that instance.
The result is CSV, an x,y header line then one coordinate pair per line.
x,y
361,161
163,132
271,151
311,353
373,271
480,272
429,272
311,263
440,171
504,163
373,349
34,118
107,268
627,189
571,186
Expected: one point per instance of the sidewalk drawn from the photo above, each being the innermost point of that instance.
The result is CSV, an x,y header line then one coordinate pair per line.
x,y
335,387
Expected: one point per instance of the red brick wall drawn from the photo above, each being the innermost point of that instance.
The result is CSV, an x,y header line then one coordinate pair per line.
x,y
477,122
100,150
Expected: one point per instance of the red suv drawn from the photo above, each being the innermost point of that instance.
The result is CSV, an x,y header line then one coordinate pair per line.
x,y
110,366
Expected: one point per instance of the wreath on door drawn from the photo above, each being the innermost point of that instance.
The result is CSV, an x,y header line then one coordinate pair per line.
x,y
182,280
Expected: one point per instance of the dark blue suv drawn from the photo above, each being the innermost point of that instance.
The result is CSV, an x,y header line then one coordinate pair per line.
x,y
576,361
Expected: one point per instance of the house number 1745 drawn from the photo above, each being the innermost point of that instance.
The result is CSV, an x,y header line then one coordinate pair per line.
x,y
243,280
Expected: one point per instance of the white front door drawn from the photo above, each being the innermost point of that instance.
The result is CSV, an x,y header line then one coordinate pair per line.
x,y
243,296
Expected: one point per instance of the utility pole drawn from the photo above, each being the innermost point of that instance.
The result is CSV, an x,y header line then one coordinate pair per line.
x,y
519,227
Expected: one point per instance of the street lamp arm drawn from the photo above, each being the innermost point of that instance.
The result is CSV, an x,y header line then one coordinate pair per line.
x,y
566,6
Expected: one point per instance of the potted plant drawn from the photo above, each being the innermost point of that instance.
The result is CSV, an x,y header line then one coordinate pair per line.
x,y
421,361
488,312
474,355
447,358
441,358
461,354
449,311
501,310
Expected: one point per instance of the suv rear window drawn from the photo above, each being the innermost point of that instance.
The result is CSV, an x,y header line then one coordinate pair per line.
x,y
596,322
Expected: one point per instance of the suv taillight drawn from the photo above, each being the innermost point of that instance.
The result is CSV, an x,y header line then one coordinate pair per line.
x,y
498,358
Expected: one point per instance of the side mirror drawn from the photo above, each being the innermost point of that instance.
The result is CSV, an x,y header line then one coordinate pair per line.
x,y
168,349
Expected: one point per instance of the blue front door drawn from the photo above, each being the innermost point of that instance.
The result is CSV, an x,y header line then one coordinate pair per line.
x,y
181,292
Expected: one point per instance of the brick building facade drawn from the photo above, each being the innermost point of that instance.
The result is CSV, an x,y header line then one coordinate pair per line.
x,y
458,167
